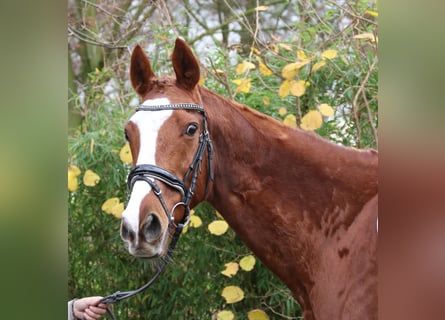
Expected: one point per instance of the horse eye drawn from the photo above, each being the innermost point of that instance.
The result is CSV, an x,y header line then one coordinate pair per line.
x,y
191,129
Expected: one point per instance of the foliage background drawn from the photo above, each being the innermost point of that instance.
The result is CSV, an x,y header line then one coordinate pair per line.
x,y
222,33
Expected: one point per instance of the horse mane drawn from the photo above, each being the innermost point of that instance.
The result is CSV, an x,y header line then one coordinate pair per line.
x,y
256,119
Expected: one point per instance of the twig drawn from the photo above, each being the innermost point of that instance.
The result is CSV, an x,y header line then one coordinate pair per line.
x,y
371,122
255,34
280,314
236,17
224,81
164,9
353,14
354,101
102,9
85,38
298,112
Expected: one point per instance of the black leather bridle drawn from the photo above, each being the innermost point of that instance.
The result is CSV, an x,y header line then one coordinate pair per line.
x,y
152,173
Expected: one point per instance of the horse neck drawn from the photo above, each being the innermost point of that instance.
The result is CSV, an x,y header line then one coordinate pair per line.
x,y
277,185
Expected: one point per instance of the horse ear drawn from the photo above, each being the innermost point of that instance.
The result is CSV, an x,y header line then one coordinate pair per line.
x,y
185,65
140,71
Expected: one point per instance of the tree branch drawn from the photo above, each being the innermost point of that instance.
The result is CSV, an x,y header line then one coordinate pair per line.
x,y
231,20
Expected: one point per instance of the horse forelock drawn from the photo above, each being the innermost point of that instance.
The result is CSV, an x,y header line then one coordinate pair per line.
x,y
167,87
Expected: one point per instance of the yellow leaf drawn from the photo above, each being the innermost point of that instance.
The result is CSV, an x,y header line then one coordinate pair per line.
x,y
109,203
284,89
326,110
232,294
219,71
282,111
117,210
366,35
219,215
163,38
90,178
329,54
285,46
262,8
195,221
201,81
231,269
301,63
218,227
91,146
266,101
255,50
318,65
247,263
257,314
243,85
73,183
243,67
113,206
265,71
289,71
273,47
372,13
225,315
290,121
125,154
301,54
298,88
311,121
74,170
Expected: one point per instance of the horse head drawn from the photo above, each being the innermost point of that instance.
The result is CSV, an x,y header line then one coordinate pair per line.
x,y
171,151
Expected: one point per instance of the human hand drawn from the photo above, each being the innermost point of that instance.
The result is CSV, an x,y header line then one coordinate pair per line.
x,y
89,308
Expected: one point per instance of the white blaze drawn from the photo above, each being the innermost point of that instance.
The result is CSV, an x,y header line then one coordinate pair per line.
x,y
148,123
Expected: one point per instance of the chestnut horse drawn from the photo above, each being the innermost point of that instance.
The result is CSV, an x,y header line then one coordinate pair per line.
x,y
305,206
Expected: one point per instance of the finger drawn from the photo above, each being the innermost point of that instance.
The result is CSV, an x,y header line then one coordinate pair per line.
x,y
86,317
94,309
97,310
92,315
94,300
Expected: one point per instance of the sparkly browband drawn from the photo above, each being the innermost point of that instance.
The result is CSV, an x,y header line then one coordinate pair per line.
x,y
176,106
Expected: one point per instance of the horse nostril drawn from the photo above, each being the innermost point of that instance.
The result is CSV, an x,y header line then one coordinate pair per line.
x,y
126,233
152,227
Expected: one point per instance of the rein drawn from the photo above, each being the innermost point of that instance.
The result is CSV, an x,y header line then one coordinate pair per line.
x,y
150,173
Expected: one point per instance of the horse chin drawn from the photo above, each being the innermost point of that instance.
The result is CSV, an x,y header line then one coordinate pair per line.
x,y
152,251
152,257
144,255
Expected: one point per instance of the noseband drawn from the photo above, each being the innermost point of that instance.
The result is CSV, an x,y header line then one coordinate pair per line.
x,y
151,173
